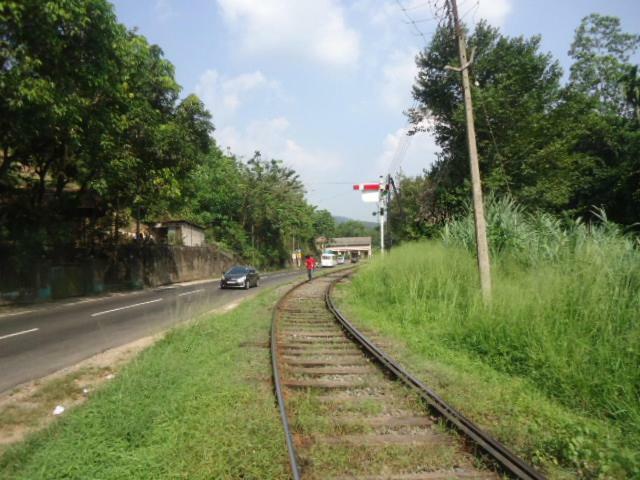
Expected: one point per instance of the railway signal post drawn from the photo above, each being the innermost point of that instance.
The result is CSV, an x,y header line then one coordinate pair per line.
x,y
375,192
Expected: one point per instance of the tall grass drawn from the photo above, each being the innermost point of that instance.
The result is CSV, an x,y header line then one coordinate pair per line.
x,y
565,312
538,237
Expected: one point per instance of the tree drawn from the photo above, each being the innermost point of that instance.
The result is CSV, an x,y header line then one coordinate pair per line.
x,y
58,82
91,120
514,85
324,225
408,213
563,149
601,53
631,86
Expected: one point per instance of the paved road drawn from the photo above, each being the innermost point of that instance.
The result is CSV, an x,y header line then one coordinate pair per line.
x,y
36,342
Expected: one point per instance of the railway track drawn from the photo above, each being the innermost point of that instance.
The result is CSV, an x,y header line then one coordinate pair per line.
x,y
350,412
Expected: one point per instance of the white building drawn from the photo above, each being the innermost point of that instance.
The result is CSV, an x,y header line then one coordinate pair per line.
x,y
358,245
180,232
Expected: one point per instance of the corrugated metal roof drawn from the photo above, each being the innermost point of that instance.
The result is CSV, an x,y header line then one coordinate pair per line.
x,y
350,241
166,223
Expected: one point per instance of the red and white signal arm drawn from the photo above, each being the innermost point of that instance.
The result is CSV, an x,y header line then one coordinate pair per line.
x,y
370,192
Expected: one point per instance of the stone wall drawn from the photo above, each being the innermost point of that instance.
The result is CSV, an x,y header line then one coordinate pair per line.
x,y
76,273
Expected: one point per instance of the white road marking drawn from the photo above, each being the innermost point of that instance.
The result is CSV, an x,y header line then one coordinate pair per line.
x,y
77,302
191,292
16,313
19,333
124,308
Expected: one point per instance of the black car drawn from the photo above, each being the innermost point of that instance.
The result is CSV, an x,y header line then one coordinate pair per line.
x,y
239,276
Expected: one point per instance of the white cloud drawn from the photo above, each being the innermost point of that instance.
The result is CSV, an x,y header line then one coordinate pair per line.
x,y
419,153
224,95
299,28
494,11
164,10
274,140
398,75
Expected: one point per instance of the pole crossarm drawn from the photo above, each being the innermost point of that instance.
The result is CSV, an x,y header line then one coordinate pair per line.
x,y
466,65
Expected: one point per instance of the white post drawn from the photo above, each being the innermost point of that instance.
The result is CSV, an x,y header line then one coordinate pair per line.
x,y
381,213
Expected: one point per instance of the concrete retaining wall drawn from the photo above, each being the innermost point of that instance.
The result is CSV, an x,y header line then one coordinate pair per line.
x,y
129,267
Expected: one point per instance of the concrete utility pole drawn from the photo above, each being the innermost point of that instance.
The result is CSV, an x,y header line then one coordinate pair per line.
x,y
484,265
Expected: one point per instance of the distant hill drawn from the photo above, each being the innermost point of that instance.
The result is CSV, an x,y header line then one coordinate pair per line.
x,y
339,220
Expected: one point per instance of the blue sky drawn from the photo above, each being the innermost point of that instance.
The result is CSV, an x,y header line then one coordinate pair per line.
x,y
321,84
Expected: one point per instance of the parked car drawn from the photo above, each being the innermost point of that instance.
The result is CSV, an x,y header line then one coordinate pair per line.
x,y
340,259
240,277
355,257
328,259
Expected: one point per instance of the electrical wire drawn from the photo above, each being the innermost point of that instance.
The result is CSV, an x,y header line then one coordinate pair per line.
x,y
405,141
411,21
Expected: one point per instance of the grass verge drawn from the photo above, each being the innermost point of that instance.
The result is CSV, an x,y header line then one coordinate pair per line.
x,y
535,368
198,405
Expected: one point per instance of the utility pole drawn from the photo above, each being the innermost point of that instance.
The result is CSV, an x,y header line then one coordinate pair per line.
x,y
484,265
381,206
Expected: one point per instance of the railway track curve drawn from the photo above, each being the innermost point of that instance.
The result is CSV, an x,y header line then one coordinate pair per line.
x,y
349,411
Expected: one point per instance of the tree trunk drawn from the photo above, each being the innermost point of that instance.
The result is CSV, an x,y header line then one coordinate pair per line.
x,y
6,162
42,175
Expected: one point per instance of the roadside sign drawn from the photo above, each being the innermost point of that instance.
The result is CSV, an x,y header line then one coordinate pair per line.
x,y
371,197
367,187
370,191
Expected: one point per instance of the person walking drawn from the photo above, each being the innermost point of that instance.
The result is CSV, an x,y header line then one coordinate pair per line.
x,y
310,263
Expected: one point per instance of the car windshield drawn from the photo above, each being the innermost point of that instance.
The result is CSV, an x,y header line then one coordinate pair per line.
x,y
237,270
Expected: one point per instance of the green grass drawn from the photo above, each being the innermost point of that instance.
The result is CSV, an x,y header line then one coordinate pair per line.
x,y
551,366
197,405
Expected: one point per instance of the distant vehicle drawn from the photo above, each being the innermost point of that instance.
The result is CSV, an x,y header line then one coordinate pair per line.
x,y
240,277
328,259
355,257
340,259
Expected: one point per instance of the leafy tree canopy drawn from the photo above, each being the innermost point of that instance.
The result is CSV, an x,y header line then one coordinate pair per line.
x,y
560,148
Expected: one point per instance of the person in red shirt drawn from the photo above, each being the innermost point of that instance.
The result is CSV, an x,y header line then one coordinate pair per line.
x,y
310,263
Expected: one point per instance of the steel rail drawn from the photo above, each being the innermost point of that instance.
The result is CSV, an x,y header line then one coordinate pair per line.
x,y
505,458
293,457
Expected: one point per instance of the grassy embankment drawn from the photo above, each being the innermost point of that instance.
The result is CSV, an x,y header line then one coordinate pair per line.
x,y
551,367
198,404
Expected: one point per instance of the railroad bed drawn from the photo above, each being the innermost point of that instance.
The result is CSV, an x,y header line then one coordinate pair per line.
x,y
347,418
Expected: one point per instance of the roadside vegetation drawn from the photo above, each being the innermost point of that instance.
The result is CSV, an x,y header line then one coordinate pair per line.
x,y
556,350
198,404
96,136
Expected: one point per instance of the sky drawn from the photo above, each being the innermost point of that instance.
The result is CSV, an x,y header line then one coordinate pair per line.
x,y
322,84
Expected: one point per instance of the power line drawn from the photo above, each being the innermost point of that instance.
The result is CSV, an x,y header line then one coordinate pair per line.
x,y
334,196
417,7
411,21
474,8
331,183
405,141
